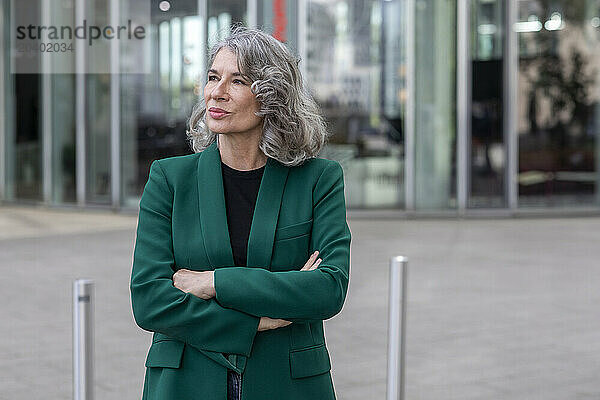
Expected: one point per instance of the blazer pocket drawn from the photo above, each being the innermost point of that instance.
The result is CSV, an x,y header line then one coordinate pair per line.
x,y
165,354
309,361
292,231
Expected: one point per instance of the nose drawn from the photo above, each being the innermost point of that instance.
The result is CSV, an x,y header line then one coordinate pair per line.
x,y
219,92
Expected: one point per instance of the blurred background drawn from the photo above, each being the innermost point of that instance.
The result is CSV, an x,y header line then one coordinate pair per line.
x,y
440,109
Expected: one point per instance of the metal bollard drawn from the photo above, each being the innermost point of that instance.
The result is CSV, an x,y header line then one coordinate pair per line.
x,y
83,339
396,327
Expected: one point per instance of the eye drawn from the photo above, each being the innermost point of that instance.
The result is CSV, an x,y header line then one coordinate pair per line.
x,y
211,76
239,81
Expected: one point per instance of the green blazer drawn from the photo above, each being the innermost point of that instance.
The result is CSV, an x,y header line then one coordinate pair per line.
x,y
183,224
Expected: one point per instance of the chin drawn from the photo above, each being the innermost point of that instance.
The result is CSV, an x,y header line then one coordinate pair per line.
x,y
217,129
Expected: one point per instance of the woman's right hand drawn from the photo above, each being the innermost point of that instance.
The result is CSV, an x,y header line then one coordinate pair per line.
x,y
267,323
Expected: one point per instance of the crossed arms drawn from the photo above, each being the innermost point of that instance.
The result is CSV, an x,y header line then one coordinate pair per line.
x,y
228,322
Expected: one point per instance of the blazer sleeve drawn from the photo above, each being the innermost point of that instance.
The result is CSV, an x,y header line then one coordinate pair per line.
x,y
159,306
299,295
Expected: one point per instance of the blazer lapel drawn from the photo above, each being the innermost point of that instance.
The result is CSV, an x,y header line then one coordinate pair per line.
x,y
213,215
266,214
211,203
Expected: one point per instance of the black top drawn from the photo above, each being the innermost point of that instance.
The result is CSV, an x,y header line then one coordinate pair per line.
x,y
241,190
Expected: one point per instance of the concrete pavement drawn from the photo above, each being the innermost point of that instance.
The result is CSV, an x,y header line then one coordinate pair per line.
x,y
498,309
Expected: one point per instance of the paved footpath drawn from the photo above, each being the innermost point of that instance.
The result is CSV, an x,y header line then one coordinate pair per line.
x,y
498,309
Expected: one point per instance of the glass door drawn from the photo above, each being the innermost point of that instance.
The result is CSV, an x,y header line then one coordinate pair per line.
x,y
558,102
487,157
24,136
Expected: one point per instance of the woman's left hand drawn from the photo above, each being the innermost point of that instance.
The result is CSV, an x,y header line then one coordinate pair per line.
x,y
199,283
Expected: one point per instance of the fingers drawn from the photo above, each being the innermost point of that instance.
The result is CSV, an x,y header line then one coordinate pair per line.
x,y
267,323
280,323
261,324
316,264
310,261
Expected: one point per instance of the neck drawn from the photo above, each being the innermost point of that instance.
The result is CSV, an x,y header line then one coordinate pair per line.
x,y
241,152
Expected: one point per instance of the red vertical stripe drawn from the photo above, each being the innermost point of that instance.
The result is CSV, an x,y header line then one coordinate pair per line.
x,y
279,20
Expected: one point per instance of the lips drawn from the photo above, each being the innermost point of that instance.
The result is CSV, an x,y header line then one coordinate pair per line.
x,y
217,113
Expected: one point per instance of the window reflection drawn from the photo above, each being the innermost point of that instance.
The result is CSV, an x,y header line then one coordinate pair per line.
x,y
435,108
488,151
27,141
344,57
155,107
558,102
222,14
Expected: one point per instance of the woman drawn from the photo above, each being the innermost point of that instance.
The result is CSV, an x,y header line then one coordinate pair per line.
x,y
242,248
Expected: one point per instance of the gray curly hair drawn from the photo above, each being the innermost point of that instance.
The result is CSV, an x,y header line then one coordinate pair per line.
x,y
293,127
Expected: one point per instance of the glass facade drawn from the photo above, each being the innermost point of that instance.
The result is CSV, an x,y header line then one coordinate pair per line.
x,y
487,163
97,115
435,104
62,118
63,139
346,47
155,106
388,76
558,97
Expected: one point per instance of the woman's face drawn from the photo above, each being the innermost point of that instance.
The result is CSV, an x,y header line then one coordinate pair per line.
x,y
228,91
